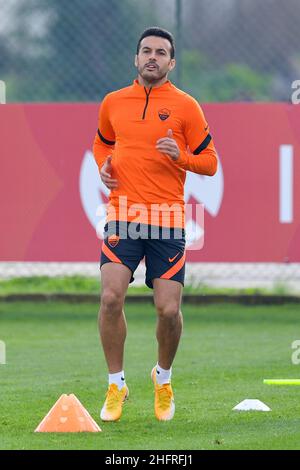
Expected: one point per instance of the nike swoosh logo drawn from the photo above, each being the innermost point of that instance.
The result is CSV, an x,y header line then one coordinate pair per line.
x,y
172,259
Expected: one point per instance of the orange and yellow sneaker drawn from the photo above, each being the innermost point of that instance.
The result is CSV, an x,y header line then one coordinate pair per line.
x,y
112,408
164,405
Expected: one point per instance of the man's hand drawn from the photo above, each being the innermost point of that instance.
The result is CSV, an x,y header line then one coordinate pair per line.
x,y
105,174
168,146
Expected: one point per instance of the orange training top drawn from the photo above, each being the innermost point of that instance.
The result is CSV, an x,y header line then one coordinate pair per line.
x,y
131,120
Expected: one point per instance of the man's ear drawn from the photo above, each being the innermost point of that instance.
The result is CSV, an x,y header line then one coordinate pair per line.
x,y
172,64
135,60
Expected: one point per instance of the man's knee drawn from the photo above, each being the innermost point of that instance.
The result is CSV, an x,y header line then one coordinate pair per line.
x,y
168,311
111,302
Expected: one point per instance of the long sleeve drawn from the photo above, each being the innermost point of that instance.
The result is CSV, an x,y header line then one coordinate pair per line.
x,y
105,137
202,158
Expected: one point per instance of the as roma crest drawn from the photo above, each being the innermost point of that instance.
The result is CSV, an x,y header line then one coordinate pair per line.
x,y
164,113
113,240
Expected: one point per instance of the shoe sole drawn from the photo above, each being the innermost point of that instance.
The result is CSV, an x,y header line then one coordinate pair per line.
x,y
153,375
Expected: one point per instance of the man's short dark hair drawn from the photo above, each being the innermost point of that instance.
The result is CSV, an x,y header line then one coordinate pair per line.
x,y
161,33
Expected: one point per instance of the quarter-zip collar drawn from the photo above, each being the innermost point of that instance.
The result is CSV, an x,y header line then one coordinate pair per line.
x,y
147,101
153,90
164,87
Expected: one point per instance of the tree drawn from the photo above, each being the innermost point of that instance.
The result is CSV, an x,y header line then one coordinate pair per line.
x,y
85,49
261,36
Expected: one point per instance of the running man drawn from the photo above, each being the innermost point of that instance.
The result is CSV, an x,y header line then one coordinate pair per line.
x,y
149,134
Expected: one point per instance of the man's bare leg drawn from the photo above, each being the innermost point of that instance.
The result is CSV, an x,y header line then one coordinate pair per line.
x,y
112,327
167,299
115,279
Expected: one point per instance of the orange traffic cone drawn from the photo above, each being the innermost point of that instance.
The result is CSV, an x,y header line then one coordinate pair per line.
x,y
68,415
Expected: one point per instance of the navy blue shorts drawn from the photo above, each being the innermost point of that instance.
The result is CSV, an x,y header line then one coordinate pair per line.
x,y
163,249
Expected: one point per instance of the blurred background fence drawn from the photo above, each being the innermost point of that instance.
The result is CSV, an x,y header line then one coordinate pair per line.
x,y
227,50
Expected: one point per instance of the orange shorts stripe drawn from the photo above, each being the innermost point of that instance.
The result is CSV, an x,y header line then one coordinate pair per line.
x,y
110,254
172,271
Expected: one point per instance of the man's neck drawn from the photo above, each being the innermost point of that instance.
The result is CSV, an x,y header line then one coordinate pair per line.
x,y
153,84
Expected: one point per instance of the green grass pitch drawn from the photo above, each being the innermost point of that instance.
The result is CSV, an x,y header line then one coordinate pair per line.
x,y
225,353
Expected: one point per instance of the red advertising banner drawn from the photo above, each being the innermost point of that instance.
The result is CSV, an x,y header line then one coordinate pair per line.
x,y
50,188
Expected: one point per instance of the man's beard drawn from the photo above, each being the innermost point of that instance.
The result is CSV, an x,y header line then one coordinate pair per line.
x,y
150,77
